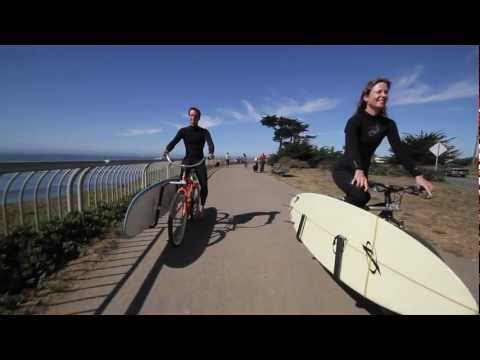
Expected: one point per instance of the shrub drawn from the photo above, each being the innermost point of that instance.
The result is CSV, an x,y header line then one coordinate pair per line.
x,y
379,170
432,175
272,159
299,164
396,170
326,164
300,151
28,256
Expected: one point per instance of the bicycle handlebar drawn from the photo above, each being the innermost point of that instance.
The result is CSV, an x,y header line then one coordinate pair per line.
x,y
412,189
182,165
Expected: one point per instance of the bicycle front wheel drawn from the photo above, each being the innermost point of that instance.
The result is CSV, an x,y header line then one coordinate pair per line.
x,y
195,209
177,220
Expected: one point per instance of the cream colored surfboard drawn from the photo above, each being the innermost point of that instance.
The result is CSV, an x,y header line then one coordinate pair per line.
x,y
379,260
147,206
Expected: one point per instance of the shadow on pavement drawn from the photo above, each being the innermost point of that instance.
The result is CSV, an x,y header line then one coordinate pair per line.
x,y
247,217
198,236
360,301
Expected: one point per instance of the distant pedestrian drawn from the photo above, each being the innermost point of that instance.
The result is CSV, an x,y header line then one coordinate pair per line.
x,y
227,159
262,159
245,159
255,164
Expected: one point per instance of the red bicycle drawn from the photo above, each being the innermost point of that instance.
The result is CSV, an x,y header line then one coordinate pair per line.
x,y
185,204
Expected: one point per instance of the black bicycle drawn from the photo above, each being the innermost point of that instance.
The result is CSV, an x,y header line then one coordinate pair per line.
x,y
393,195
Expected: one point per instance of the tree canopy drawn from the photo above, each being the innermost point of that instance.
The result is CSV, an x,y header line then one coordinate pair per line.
x,y
418,147
286,130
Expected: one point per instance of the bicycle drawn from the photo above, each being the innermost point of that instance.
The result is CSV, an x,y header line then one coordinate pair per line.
x,y
185,204
393,195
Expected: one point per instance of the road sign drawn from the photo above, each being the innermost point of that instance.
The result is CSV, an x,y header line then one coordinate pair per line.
x,y
437,150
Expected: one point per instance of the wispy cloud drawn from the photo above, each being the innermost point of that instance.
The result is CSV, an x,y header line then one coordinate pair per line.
x,y
210,121
177,125
408,79
294,107
249,112
234,114
139,132
286,107
410,90
206,121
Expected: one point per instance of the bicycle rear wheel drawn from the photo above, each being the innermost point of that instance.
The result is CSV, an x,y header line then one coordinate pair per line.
x,y
177,220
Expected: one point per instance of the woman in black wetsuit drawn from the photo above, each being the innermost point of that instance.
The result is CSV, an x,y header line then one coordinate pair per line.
x,y
364,132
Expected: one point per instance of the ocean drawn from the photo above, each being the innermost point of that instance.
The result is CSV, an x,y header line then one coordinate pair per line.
x,y
14,190
22,157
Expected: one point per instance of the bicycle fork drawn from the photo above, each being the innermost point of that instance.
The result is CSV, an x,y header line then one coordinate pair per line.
x,y
388,216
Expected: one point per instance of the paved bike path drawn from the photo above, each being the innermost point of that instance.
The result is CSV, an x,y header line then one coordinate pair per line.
x,y
242,258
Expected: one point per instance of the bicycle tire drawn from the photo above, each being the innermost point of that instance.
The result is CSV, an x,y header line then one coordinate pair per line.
x,y
195,203
177,226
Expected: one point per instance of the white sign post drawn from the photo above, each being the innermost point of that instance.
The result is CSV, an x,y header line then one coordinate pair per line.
x,y
437,150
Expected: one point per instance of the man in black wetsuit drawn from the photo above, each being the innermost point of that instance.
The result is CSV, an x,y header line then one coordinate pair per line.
x,y
363,134
194,138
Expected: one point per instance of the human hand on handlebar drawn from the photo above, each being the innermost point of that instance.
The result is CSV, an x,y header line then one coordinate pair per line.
x,y
360,180
211,156
427,185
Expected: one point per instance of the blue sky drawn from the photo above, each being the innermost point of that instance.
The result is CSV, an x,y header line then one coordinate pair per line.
x,y
132,99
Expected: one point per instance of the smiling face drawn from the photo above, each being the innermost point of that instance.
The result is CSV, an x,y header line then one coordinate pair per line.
x,y
377,98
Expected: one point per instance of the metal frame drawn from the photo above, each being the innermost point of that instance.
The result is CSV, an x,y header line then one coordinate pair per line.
x,y
4,201
112,181
35,203
123,178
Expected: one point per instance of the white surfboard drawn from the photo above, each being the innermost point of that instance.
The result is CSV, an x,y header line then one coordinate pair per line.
x,y
378,260
147,206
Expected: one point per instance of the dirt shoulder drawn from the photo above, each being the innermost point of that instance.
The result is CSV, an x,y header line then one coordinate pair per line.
x,y
448,221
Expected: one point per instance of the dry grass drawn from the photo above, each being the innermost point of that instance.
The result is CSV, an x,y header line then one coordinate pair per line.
x,y
38,300
449,220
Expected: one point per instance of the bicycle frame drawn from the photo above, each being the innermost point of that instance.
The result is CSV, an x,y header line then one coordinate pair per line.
x,y
187,185
388,206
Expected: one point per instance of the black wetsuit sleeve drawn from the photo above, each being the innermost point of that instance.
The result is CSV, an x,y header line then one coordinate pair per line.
x,y
211,147
175,140
400,151
352,142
